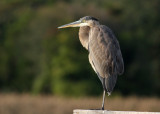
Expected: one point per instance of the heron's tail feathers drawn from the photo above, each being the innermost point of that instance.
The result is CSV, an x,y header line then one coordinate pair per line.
x,y
109,83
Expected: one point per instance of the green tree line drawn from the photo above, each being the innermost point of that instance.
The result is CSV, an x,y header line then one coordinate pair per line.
x,y
36,57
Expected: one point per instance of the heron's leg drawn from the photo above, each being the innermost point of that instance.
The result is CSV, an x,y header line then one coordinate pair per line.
x,y
104,92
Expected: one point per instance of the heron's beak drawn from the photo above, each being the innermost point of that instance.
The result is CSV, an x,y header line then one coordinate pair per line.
x,y
73,24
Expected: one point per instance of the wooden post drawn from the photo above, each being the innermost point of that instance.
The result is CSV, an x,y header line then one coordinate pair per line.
x,y
80,111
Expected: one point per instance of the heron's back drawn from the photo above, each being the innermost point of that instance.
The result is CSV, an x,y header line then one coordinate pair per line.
x,y
105,56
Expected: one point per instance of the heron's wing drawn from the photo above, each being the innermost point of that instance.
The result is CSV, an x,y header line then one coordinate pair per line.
x,y
113,49
105,54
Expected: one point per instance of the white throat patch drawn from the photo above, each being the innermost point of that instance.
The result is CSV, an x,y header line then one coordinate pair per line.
x,y
84,24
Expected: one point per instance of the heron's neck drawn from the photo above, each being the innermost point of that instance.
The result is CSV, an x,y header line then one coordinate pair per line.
x,y
84,36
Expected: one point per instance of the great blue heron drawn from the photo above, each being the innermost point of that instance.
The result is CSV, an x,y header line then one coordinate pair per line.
x,y
104,51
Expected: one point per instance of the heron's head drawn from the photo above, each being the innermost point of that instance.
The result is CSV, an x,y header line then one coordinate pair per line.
x,y
84,21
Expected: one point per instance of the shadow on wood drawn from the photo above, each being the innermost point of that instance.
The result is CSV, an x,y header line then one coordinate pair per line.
x,y
79,111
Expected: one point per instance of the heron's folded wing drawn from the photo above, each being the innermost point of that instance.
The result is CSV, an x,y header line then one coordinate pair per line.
x,y
105,54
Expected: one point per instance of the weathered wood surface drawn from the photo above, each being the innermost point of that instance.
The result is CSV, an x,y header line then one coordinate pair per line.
x,y
80,111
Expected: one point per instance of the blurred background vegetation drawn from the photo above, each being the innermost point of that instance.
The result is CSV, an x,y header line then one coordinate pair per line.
x,y
36,57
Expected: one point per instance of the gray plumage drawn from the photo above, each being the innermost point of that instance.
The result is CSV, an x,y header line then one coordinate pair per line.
x,y
104,51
